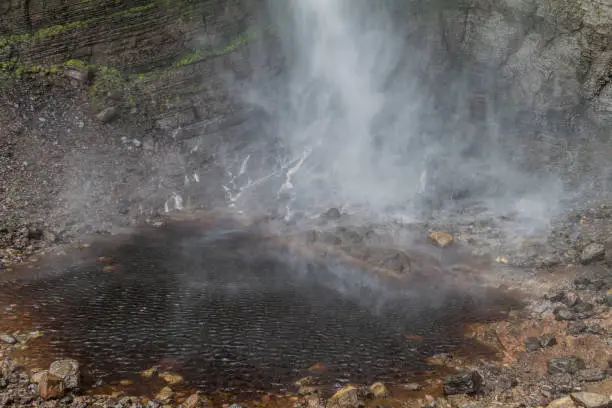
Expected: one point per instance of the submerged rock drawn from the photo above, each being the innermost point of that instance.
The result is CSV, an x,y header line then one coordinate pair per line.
x,y
467,382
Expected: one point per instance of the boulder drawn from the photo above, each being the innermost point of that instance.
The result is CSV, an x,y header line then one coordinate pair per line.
x,y
69,371
49,385
379,390
196,401
592,252
591,400
466,382
347,397
562,365
441,239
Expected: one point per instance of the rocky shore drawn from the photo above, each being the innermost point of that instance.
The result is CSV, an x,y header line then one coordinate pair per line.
x,y
554,352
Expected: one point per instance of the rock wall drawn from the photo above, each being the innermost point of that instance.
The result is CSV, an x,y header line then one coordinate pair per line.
x,y
142,89
556,54
103,105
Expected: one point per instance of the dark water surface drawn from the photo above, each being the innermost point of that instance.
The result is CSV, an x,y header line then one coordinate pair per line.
x,y
229,311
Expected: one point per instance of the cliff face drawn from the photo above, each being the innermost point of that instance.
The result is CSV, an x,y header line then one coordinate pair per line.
x,y
103,103
115,107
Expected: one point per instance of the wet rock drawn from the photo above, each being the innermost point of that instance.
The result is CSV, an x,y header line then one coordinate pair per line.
x,y
165,394
49,385
582,308
69,371
108,114
548,340
564,383
171,378
441,239
8,339
592,252
591,400
532,344
564,314
565,402
347,397
561,365
196,401
150,372
391,259
570,298
331,214
310,401
308,390
467,382
591,375
379,390
305,381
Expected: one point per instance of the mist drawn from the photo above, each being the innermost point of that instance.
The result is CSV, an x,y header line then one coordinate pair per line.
x,y
374,113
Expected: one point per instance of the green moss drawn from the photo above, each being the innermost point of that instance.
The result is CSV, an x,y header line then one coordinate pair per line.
x,y
107,81
74,25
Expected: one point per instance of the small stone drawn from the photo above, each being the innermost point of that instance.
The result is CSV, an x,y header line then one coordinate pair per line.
x,y
562,365
49,385
563,314
570,299
172,378
68,370
165,394
609,298
548,340
379,390
346,397
591,400
412,386
305,381
576,328
149,372
532,344
467,382
8,339
591,375
108,114
582,307
307,390
441,239
592,252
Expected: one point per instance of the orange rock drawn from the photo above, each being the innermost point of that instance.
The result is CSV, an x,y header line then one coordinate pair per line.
x,y
49,385
441,239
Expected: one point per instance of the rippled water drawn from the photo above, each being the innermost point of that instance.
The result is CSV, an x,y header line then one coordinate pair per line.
x,y
230,311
